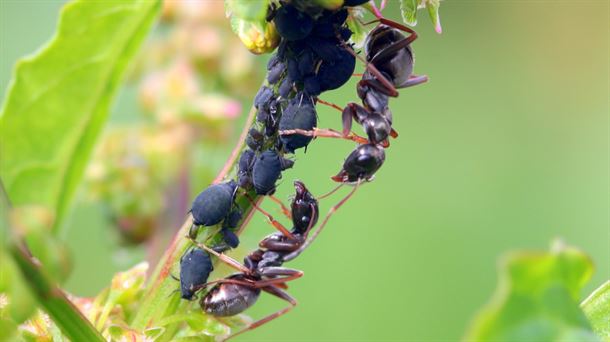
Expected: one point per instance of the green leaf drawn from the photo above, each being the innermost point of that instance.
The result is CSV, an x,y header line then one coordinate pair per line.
x,y
248,10
432,6
408,10
53,300
597,310
359,31
537,299
59,98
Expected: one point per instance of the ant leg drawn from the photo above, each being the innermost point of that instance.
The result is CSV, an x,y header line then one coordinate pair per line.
x,y
280,246
284,275
278,293
347,114
224,258
373,69
276,224
332,210
285,209
413,81
326,133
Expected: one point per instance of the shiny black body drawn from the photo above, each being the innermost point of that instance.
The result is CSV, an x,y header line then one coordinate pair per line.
x,y
361,164
389,52
304,209
395,63
262,270
213,204
195,268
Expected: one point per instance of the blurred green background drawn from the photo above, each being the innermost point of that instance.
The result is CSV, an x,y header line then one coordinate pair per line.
x,y
505,148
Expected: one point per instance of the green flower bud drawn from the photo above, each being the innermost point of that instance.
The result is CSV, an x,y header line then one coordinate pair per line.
x,y
258,36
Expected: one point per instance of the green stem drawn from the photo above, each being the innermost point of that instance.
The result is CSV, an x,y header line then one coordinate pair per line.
x,y
156,302
55,303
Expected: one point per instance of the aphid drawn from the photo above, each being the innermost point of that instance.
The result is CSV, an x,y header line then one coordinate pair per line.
x,y
389,67
213,204
361,164
262,269
263,96
244,173
285,87
275,69
291,23
333,74
230,239
255,139
195,268
267,170
299,114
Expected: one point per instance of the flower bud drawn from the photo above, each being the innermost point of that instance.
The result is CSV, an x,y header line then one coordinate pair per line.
x,y
258,36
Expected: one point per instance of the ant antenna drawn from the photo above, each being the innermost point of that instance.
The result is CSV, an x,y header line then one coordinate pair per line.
x,y
330,192
277,225
226,259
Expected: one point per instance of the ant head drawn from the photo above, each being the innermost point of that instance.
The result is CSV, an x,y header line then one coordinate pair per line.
x,y
304,208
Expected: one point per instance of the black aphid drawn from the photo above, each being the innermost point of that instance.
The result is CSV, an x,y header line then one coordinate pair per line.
x,y
267,170
299,114
195,268
213,204
291,23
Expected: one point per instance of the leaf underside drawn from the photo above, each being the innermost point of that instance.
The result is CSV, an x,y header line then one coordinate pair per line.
x,y
537,299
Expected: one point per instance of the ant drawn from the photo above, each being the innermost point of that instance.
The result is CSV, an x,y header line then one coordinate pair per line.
x,y
263,269
389,66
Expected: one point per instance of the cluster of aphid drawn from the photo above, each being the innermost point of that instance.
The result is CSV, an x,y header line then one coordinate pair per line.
x,y
313,56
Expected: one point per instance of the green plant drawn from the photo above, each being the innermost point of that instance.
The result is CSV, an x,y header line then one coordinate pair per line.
x,y
61,99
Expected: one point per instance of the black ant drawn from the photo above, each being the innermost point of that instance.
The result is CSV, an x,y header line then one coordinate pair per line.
x,y
263,269
389,66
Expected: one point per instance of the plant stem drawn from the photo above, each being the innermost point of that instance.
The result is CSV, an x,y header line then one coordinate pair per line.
x,y
55,303
155,303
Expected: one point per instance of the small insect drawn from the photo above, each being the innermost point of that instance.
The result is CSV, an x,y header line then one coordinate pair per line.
x,y
195,268
389,66
267,169
314,58
389,61
291,23
213,204
299,114
275,69
262,270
